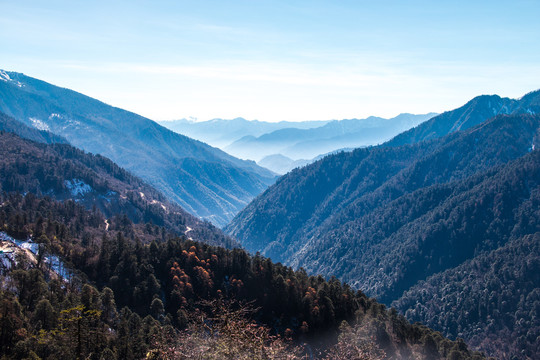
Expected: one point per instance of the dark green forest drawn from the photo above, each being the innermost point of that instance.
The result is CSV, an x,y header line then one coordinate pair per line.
x,y
386,219
128,294
492,300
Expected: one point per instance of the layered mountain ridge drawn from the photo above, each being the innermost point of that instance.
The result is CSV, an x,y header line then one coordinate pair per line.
x,y
300,143
442,222
63,172
386,218
204,180
223,132
473,113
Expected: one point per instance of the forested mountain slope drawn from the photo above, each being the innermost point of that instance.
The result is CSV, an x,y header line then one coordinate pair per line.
x,y
430,230
157,299
471,114
9,124
204,180
315,201
386,218
492,300
64,172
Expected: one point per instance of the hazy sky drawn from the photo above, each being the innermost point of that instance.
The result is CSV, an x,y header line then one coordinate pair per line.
x,y
276,60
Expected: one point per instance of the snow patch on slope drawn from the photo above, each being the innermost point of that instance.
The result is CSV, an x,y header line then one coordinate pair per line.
x,y
157,202
77,187
56,265
4,76
28,245
38,124
9,246
55,117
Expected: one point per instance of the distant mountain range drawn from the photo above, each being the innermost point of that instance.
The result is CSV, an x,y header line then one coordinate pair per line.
x,y
282,146
204,180
387,218
223,132
309,143
281,164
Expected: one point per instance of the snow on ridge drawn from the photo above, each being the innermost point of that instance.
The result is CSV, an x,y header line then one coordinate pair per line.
x,y
5,77
38,124
77,187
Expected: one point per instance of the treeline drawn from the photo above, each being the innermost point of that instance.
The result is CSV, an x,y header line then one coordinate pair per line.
x,y
157,285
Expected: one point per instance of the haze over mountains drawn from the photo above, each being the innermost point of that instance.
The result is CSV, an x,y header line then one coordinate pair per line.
x,y
338,134
223,132
387,218
283,146
204,180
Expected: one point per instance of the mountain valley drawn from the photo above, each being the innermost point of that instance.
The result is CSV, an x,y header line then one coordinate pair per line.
x,y
388,218
205,181
440,222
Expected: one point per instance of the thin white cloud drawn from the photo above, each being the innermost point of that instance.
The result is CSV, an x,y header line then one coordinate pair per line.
x,y
357,87
279,73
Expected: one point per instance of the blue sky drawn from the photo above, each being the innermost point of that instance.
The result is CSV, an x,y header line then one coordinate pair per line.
x,y
276,60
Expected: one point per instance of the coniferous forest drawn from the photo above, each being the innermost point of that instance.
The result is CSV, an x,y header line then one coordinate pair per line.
x,y
130,299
